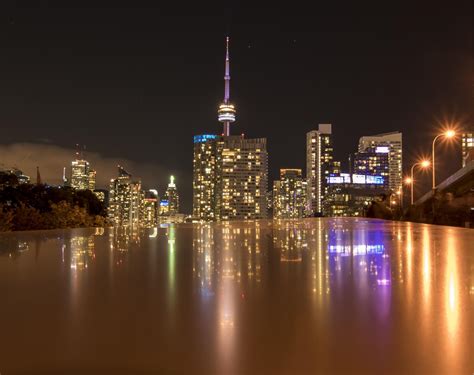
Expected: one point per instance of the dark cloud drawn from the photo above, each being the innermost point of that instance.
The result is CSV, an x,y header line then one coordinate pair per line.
x,y
52,159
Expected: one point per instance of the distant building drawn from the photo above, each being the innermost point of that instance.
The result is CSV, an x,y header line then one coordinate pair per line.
x,y
172,197
319,165
150,209
164,207
372,161
351,194
289,195
91,181
12,177
80,174
392,144
467,146
125,199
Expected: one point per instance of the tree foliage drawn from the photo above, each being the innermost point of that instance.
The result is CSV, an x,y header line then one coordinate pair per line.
x,y
30,207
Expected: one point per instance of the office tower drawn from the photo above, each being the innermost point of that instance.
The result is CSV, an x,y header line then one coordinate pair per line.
x,y
351,194
467,146
229,172
319,165
289,195
149,214
226,112
373,161
91,179
125,199
80,174
390,143
172,197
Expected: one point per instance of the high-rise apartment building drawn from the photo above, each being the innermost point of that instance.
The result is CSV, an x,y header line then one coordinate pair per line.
x,y
241,178
205,177
390,143
229,172
125,199
289,195
467,146
319,166
230,178
172,197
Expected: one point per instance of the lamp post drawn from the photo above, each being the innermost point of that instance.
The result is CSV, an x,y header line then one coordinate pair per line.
x,y
422,164
447,134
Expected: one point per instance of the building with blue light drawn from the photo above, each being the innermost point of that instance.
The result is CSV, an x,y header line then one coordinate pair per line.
x,y
351,194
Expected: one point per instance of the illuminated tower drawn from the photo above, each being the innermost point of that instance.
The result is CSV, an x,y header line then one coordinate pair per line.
x,y
319,165
172,197
226,112
125,199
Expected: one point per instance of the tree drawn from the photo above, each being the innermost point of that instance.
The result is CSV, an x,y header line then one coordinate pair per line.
x,y
6,218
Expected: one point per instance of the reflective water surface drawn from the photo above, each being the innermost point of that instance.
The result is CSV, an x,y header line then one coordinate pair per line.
x,y
331,296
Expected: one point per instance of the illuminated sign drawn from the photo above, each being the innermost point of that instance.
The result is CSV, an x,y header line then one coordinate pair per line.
x,y
382,150
358,179
375,180
204,138
362,179
335,180
164,203
346,177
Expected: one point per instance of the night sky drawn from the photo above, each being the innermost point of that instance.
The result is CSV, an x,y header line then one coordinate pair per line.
x,y
138,83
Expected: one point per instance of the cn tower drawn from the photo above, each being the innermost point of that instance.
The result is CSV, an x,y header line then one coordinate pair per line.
x,y
226,112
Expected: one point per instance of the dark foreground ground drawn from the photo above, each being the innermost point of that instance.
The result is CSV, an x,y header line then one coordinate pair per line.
x,y
330,296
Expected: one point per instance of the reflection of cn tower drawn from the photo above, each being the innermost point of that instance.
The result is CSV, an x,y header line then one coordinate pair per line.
x,y
226,112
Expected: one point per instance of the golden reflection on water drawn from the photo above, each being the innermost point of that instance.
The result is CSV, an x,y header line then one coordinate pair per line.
x,y
426,277
452,303
403,277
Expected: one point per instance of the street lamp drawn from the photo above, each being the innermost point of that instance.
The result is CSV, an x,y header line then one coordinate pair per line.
x,y
447,134
422,164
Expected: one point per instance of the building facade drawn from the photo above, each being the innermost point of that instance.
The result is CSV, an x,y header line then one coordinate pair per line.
x,y
230,178
319,165
125,199
289,195
172,197
372,161
80,174
467,146
391,143
351,194
149,209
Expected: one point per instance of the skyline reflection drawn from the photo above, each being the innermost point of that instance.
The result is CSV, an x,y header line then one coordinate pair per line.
x,y
236,294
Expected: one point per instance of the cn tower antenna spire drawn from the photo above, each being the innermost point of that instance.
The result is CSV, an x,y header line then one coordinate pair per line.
x,y
227,73
226,112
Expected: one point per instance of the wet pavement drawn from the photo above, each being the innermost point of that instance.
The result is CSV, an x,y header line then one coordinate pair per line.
x,y
313,296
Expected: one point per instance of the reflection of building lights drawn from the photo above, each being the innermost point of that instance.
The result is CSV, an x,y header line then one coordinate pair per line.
x,y
383,282
362,249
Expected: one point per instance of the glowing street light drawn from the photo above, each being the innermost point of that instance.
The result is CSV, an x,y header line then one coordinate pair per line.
x,y
422,164
447,134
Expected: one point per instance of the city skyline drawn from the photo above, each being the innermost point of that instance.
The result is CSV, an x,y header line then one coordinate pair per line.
x,y
137,131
